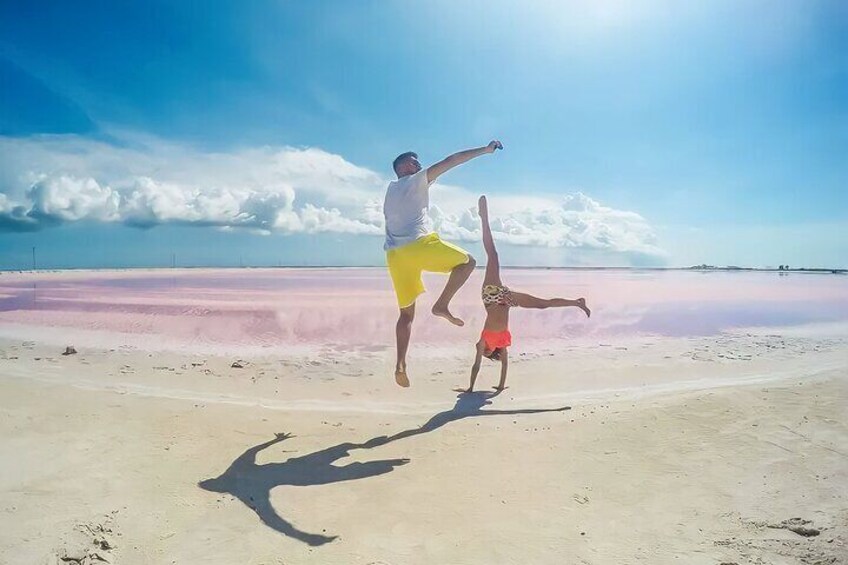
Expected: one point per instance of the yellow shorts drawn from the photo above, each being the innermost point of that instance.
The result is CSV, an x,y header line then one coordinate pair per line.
x,y
428,253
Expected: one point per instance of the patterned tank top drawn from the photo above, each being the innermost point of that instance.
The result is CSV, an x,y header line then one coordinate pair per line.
x,y
497,294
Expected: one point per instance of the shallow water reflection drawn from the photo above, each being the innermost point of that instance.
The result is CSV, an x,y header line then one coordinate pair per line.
x,y
355,307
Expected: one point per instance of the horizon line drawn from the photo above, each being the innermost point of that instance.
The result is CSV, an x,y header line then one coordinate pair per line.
x,y
731,268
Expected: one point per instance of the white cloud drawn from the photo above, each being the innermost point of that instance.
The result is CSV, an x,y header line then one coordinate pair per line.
x,y
68,199
145,182
575,221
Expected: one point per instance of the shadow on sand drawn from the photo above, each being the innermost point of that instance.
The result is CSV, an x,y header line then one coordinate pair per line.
x,y
252,483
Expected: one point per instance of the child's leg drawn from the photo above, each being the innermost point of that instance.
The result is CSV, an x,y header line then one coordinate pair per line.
x,y
493,266
523,300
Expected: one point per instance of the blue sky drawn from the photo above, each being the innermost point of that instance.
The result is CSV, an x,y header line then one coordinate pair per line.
x,y
650,133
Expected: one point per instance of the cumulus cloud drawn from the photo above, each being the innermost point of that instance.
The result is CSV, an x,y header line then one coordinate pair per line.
x,y
68,199
573,221
145,182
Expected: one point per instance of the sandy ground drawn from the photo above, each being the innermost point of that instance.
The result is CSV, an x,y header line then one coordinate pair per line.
x,y
724,449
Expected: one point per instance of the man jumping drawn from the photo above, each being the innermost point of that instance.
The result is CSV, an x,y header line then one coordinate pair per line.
x,y
412,247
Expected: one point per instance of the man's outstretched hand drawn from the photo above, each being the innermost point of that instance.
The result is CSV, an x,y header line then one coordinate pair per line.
x,y
436,170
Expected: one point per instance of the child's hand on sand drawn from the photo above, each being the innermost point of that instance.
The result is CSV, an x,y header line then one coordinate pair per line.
x,y
401,377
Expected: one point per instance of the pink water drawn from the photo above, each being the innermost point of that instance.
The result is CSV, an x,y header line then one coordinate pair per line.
x,y
355,308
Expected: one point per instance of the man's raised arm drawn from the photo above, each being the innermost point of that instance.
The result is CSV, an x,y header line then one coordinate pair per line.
x,y
448,163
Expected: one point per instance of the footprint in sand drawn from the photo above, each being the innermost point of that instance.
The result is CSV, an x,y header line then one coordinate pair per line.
x,y
89,543
798,526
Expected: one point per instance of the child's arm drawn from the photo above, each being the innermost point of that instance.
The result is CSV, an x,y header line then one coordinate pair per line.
x,y
504,367
476,367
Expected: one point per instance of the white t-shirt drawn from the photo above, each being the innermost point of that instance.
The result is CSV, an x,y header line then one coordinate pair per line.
x,y
405,209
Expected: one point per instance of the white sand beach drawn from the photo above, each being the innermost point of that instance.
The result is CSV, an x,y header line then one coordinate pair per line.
x,y
725,448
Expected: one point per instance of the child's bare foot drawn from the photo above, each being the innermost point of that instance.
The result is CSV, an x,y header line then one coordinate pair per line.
x,y
581,303
443,312
400,377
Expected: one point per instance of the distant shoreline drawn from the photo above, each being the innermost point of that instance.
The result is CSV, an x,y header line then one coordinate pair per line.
x,y
698,268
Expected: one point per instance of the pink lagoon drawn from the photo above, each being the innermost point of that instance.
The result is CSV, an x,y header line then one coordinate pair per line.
x,y
291,309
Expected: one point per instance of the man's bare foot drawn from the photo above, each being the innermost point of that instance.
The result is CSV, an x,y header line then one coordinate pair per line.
x,y
401,378
581,303
443,312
